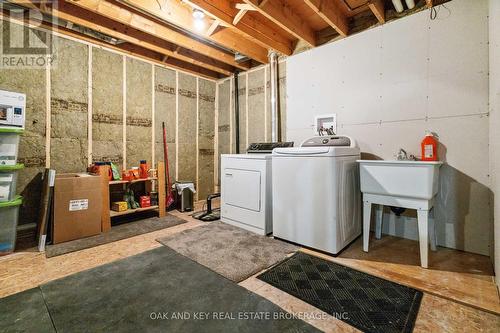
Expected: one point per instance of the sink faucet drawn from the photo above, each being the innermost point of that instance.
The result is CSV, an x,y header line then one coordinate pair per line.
x,y
402,155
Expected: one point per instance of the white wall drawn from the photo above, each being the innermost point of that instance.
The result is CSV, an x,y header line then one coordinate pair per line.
x,y
494,14
389,84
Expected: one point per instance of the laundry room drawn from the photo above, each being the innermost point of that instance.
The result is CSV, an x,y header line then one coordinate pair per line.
x,y
245,165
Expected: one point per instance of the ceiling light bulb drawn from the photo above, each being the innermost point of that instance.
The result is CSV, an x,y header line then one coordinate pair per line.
x,y
198,14
199,24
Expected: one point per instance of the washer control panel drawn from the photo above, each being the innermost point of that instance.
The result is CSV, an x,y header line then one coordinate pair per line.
x,y
335,141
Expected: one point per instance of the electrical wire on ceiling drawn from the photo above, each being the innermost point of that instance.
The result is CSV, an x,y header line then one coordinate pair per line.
x,y
435,11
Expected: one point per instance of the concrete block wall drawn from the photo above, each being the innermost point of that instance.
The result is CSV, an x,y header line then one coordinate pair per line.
x,y
95,104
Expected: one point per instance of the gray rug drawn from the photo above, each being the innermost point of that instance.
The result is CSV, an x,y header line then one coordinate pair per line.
x,y
116,233
230,251
156,291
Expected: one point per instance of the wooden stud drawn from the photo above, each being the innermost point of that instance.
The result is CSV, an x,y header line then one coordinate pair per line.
x,y
176,126
378,9
216,138
48,114
331,14
89,108
265,103
246,108
153,115
231,109
197,138
124,115
281,14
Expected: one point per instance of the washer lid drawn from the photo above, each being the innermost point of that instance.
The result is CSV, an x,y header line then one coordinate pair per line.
x,y
326,151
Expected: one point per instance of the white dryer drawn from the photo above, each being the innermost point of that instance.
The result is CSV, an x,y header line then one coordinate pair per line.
x,y
316,195
246,191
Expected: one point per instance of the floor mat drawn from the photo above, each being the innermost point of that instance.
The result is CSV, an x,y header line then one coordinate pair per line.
x,y
25,312
160,291
366,302
228,250
116,233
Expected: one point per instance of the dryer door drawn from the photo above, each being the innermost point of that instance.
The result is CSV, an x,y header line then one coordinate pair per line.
x,y
242,188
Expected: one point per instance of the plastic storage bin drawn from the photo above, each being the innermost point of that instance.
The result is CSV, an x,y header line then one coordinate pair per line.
x,y
9,145
9,215
8,181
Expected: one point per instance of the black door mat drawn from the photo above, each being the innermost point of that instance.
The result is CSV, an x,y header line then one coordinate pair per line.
x,y
369,303
116,233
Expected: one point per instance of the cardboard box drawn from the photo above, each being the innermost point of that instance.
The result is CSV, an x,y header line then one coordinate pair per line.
x,y
77,206
119,206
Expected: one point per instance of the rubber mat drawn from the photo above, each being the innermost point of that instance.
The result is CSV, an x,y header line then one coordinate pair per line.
x,y
369,303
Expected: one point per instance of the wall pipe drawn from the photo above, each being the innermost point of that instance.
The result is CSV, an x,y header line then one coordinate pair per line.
x,y
273,74
237,112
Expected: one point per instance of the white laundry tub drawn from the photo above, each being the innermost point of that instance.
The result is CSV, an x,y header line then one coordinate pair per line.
x,y
412,179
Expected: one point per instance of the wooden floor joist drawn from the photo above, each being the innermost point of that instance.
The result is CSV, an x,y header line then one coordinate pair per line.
x,y
114,11
378,9
249,26
331,14
279,12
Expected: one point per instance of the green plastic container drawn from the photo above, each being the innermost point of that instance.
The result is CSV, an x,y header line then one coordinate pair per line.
x,y
9,145
8,181
9,216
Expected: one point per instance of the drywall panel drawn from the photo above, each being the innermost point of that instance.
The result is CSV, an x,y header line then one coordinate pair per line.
x,y
256,108
206,126
187,128
224,118
32,144
139,112
386,99
242,92
69,103
107,107
494,98
165,113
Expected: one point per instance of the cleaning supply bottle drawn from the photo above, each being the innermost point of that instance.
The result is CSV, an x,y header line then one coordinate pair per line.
x,y
429,147
143,167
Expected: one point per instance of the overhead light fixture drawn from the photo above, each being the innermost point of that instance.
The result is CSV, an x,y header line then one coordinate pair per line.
x,y
198,14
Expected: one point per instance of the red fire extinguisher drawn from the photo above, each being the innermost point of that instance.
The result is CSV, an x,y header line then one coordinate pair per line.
x,y
429,147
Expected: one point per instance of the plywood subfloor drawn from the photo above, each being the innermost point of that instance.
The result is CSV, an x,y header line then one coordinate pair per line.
x,y
456,275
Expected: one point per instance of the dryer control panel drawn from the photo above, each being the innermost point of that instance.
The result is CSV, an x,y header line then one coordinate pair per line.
x,y
329,141
267,147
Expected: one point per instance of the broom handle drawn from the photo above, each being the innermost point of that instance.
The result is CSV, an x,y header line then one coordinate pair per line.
x,y
165,155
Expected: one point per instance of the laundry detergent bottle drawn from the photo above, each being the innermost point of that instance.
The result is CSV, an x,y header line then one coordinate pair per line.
x,y
429,147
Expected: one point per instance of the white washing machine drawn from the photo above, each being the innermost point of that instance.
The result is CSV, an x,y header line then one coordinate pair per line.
x,y
246,199
316,195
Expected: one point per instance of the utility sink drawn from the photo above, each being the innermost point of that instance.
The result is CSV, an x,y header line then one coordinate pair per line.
x,y
411,179
407,184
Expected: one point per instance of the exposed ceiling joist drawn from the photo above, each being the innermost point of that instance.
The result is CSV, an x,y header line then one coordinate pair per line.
x,y
429,3
378,9
112,10
180,15
239,16
69,12
137,52
331,14
248,26
279,12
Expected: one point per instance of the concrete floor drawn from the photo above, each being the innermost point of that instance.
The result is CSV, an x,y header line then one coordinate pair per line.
x,y
459,294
